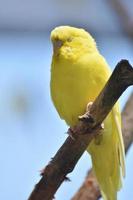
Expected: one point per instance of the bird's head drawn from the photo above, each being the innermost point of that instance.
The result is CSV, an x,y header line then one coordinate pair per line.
x,y
69,41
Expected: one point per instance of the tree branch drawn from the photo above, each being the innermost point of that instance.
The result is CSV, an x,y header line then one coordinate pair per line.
x,y
90,188
55,172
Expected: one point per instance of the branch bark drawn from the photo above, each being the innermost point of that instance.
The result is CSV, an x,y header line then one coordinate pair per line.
x,y
55,172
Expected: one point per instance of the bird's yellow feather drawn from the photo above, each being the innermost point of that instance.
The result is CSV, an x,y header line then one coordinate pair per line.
x,y
78,74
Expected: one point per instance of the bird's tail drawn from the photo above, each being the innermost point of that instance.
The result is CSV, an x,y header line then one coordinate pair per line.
x,y
109,185
105,197
105,153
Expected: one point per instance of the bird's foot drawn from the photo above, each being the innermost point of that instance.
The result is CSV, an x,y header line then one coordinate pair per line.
x,y
99,128
83,128
89,106
86,117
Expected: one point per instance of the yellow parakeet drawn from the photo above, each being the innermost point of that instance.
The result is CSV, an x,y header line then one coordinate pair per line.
x,y
78,74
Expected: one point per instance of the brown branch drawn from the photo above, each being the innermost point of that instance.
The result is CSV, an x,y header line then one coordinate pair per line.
x,y
90,189
56,171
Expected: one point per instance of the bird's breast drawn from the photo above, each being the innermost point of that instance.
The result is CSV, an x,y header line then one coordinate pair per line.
x,y
72,87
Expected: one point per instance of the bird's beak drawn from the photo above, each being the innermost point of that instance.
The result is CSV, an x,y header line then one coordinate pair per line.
x,y
56,46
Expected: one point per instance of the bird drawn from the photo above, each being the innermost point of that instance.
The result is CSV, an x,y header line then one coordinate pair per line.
x,y
78,74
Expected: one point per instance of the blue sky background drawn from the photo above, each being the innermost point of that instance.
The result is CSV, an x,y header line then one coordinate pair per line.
x,y
31,131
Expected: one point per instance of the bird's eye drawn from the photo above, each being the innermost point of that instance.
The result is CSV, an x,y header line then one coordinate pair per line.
x,y
69,39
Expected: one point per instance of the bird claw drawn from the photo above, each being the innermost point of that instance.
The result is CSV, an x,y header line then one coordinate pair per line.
x,y
102,126
98,138
86,117
89,106
99,128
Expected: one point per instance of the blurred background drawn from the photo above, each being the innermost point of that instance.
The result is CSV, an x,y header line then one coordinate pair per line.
x,y
30,129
